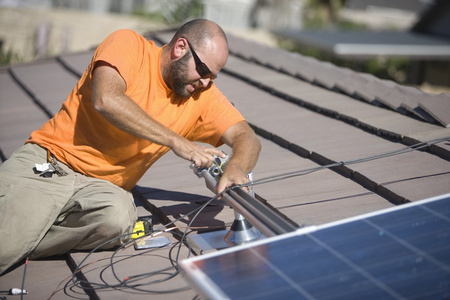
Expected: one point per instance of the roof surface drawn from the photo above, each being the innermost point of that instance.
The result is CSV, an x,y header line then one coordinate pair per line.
x,y
341,143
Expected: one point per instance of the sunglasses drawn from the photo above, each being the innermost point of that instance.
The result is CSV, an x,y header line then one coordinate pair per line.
x,y
201,67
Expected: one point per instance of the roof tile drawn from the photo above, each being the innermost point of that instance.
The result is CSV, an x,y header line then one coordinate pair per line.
x,y
438,107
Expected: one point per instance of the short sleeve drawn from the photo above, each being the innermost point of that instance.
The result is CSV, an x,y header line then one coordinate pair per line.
x,y
122,49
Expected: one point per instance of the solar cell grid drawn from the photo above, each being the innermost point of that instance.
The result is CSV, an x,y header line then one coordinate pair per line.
x,y
399,253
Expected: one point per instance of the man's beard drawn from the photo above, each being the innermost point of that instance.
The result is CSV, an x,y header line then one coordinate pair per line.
x,y
178,74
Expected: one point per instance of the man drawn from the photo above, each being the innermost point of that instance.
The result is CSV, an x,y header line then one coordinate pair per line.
x,y
134,103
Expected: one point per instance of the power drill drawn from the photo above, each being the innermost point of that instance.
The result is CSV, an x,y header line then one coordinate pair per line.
x,y
215,170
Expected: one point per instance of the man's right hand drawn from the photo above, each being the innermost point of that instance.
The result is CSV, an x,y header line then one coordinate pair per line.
x,y
200,156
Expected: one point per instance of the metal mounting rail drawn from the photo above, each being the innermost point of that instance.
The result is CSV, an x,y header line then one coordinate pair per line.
x,y
259,215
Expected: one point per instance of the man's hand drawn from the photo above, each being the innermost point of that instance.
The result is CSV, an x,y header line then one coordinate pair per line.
x,y
233,175
200,156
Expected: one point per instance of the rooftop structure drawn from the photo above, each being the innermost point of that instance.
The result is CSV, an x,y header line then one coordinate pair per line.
x,y
336,144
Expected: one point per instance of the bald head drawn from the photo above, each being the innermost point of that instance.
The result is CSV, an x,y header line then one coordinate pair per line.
x,y
200,32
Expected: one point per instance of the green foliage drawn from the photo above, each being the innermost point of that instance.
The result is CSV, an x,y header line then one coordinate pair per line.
x,y
154,16
8,57
183,10
347,25
188,10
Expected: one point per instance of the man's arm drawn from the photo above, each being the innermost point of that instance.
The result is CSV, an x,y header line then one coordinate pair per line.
x,y
110,100
246,147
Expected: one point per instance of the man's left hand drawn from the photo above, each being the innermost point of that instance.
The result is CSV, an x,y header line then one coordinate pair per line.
x,y
232,176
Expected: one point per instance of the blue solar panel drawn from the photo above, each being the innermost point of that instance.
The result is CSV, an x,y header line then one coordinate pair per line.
x,y
398,253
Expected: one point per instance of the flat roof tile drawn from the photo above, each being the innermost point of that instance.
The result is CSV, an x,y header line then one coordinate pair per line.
x,y
438,107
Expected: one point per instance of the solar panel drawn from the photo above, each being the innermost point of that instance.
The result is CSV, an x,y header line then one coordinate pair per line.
x,y
397,253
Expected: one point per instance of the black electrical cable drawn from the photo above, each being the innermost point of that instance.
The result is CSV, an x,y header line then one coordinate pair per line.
x,y
174,262
129,279
284,176
183,238
122,283
23,279
180,243
175,266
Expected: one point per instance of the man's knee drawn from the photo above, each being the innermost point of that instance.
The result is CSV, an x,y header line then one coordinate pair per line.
x,y
115,219
117,222
106,212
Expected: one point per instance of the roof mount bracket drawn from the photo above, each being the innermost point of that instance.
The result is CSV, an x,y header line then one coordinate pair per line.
x,y
253,219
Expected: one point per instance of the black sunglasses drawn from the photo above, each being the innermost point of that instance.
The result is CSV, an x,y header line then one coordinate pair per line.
x,y
201,67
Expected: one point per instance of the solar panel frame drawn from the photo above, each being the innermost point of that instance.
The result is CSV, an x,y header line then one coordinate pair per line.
x,y
396,253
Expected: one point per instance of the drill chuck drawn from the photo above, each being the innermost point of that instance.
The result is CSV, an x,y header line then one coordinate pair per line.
x,y
216,169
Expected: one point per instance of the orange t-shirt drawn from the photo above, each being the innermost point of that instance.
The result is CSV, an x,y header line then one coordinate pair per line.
x,y
83,139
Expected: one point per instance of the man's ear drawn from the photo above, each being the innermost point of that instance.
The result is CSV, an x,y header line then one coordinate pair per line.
x,y
180,48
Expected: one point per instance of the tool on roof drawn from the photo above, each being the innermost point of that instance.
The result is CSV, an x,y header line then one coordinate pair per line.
x,y
142,227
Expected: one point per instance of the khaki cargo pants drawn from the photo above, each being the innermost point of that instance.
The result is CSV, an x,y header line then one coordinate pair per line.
x,y
41,217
